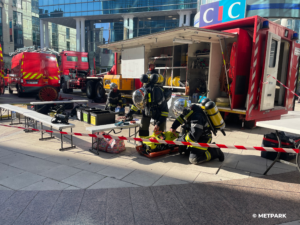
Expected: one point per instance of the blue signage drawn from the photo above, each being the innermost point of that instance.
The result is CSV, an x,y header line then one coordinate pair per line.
x,y
220,12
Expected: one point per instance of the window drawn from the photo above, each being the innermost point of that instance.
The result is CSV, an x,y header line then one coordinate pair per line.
x,y
35,6
72,58
17,3
18,30
68,33
273,52
84,59
1,29
68,46
36,32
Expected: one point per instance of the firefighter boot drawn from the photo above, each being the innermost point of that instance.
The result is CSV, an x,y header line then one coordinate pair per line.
x,y
197,156
216,153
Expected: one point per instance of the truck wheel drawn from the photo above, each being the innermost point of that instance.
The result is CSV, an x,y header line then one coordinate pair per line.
x,y
100,93
90,89
250,124
9,90
48,93
65,89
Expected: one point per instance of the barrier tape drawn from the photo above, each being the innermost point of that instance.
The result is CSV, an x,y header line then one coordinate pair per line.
x,y
282,85
205,145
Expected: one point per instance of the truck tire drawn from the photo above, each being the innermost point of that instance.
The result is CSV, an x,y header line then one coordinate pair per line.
x,y
100,93
48,93
250,124
90,89
9,90
65,89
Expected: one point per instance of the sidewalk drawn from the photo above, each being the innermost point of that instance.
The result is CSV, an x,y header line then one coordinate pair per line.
x,y
227,202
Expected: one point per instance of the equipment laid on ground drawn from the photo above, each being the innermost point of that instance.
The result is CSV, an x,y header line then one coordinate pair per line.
x,y
108,145
287,141
60,118
34,71
152,150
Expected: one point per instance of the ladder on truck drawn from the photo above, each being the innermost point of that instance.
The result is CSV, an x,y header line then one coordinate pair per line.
x,y
32,49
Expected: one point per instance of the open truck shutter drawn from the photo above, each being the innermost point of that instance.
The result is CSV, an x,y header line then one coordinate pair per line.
x,y
133,62
267,97
165,38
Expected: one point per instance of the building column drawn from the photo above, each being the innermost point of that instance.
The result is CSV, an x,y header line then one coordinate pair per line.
x,y
41,33
187,15
188,18
82,21
128,25
46,34
77,35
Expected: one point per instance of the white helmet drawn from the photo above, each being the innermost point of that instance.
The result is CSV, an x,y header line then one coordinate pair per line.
x,y
179,105
139,99
113,86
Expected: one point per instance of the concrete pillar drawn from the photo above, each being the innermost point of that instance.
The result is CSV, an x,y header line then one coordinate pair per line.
x,y
42,33
188,18
46,34
77,35
82,35
187,15
128,26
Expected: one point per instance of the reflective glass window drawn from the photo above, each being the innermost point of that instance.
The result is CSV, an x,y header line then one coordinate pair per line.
x,y
72,58
84,59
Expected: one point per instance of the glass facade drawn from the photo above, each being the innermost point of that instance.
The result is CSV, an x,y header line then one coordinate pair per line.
x,y
35,6
67,33
18,30
1,28
17,3
71,8
54,37
36,32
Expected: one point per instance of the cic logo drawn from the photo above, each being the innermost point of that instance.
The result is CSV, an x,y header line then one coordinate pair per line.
x,y
220,12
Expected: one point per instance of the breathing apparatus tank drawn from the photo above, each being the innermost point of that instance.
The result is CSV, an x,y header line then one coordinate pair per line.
x,y
213,115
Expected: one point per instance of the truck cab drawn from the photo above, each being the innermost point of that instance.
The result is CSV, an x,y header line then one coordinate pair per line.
x,y
73,66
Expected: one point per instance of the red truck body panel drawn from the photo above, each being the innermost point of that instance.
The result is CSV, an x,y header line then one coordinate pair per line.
x,y
34,70
250,61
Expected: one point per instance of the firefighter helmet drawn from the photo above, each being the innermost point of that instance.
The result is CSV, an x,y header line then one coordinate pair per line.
x,y
113,86
144,78
180,105
139,99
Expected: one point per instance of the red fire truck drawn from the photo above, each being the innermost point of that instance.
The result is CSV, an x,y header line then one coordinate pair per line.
x,y
34,72
78,72
262,50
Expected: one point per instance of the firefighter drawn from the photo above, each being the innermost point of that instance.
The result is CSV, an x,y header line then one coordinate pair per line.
x,y
151,100
195,128
151,69
114,99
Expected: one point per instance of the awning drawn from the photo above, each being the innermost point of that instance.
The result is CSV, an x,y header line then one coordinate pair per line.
x,y
165,38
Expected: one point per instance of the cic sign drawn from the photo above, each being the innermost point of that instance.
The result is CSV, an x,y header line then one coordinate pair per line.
x,y
220,12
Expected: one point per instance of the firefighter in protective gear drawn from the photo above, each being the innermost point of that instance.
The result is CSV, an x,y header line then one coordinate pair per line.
x,y
151,100
195,128
151,69
114,99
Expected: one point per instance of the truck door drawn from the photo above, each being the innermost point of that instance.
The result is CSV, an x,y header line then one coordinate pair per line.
x,y
267,97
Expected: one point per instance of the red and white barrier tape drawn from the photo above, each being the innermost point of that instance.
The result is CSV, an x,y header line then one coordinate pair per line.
x,y
205,145
282,85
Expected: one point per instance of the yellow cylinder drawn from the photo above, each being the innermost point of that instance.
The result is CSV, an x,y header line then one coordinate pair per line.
x,y
160,79
214,115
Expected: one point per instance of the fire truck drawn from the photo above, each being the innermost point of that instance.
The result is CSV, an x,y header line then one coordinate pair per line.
x,y
34,71
259,54
77,71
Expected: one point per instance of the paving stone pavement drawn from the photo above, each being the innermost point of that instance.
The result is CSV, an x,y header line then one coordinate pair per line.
x,y
223,202
41,185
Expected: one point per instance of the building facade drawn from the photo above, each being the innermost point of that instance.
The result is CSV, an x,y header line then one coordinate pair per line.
x,y
104,21
20,26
